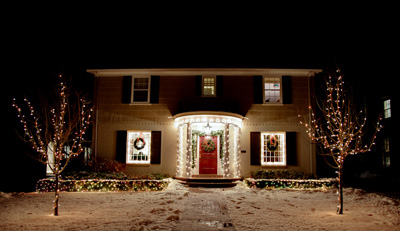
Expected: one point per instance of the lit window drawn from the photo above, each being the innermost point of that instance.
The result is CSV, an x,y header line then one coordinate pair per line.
x,y
387,109
209,86
138,147
273,148
272,90
141,90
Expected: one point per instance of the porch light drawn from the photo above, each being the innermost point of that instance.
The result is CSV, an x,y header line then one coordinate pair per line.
x,y
207,129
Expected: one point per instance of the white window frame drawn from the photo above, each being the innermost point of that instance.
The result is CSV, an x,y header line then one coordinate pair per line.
x,y
280,91
132,152
387,109
264,149
203,86
133,89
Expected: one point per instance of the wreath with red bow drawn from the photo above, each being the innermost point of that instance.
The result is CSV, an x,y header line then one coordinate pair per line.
x,y
208,145
273,143
139,143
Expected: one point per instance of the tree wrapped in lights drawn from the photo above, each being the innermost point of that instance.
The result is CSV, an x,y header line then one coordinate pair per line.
x,y
50,132
341,129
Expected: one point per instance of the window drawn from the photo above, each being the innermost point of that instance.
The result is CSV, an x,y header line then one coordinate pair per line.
x,y
273,149
138,147
272,90
386,153
387,109
141,90
209,86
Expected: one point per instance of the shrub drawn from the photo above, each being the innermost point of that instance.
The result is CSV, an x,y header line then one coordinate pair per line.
x,y
281,174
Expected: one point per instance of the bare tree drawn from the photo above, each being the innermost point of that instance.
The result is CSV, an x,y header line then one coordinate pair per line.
x,y
56,127
341,129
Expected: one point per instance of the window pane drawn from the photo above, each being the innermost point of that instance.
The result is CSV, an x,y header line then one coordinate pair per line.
x,y
141,83
138,150
208,86
272,90
273,148
140,96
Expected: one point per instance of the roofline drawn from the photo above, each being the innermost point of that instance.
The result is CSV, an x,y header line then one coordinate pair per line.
x,y
203,71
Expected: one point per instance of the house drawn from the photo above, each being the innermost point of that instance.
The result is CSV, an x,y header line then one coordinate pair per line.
x,y
208,121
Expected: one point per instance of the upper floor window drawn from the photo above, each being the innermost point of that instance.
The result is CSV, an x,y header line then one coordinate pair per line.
x,y
387,109
272,90
209,86
140,89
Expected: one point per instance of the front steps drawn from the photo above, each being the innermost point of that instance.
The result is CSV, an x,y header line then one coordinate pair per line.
x,y
208,181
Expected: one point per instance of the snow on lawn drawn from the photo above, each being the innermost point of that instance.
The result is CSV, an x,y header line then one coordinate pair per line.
x,y
249,209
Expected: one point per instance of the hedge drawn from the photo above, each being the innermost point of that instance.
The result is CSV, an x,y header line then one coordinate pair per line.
x,y
101,185
291,183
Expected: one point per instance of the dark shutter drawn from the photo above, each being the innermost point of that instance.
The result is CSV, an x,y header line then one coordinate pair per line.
x,y
198,85
127,89
287,89
121,146
220,84
258,89
154,88
255,150
291,148
155,147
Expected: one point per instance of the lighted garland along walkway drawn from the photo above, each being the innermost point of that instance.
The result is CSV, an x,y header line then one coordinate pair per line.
x,y
204,210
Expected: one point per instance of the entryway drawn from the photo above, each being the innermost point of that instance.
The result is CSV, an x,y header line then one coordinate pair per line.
x,y
208,144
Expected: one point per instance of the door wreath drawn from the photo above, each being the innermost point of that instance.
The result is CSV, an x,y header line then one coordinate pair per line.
x,y
208,145
272,143
139,143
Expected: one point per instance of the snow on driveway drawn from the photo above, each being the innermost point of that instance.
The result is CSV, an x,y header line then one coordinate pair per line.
x,y
248,209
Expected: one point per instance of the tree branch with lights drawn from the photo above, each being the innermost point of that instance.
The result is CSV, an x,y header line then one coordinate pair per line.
x,y
64,124
341,130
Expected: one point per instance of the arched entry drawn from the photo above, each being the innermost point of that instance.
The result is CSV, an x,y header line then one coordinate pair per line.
x,y
208,144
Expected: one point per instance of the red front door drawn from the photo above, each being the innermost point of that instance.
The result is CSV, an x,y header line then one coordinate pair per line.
x,y
208,155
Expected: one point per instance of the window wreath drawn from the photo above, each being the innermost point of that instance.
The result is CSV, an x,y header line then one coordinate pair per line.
x,y
139,143
208,145
273,143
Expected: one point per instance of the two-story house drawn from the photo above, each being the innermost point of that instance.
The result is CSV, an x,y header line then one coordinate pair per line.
x,y
207,121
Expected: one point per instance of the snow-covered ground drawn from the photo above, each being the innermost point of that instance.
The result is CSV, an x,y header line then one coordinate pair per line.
x,y
249,209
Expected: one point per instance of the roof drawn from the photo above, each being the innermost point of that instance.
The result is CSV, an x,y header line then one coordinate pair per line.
x,y
203,71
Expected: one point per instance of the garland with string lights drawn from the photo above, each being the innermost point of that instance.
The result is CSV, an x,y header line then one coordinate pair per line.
x,y
341,129
62,124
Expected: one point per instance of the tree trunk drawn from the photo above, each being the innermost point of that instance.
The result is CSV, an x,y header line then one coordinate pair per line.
x,y
340,206
57,194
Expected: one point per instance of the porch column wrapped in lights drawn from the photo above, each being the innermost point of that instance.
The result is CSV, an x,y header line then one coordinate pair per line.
x,y
189,151
226,152
191,125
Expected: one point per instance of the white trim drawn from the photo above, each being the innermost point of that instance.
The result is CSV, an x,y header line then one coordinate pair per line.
x,y
280,91
215,86
138,162
148,90
284,156
204,71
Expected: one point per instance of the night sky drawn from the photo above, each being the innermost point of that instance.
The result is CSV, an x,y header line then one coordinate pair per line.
x,y
39,48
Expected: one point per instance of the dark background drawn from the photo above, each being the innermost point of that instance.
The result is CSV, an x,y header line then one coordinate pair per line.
x,y
38,45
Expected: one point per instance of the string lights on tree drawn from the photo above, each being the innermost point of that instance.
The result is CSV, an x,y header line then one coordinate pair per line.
x,y
63,125
341,128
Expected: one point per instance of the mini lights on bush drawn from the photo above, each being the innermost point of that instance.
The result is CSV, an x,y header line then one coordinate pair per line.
x,y
100,185
290,183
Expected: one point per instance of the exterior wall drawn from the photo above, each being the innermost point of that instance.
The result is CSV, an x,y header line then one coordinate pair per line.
x,y
113,116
